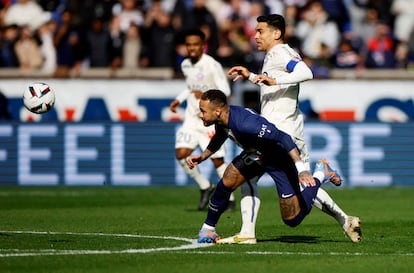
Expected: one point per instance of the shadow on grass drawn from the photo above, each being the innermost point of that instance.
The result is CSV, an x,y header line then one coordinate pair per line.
x,y
297,239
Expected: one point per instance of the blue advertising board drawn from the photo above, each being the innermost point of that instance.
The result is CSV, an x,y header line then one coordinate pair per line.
x,y
142,153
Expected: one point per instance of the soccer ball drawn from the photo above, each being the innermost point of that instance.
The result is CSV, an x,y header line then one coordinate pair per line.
x,y
38,98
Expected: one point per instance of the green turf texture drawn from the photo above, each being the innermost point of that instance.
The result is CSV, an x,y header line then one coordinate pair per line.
x,y
101,219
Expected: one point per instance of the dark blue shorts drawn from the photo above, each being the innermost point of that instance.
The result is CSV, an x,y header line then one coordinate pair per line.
x,y
280,168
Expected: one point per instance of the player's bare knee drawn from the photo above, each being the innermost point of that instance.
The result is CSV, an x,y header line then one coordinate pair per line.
x,y
182,153
217,162
293,222
289,207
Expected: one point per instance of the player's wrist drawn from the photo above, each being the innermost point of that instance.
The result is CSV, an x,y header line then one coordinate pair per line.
x,y
252,76
300,166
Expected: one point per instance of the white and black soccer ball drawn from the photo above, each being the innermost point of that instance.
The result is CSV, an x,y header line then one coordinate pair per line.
x,y
39,98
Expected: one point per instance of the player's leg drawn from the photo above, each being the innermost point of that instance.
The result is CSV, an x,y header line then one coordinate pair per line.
x,y
217,158
232,178
220,166
324,202
218,203
249,206
186,142
351,225
295,200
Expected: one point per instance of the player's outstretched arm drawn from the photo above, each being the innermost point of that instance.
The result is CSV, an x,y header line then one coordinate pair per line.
x,y
238,72
173,106
194,160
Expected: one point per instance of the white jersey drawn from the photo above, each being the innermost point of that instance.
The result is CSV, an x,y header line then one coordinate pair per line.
x,y
206,74
279,103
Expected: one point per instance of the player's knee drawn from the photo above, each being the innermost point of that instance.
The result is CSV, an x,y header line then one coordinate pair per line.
x,y
181,153
295,221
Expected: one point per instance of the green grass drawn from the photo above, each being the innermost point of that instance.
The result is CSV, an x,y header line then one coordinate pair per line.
x,y
90,230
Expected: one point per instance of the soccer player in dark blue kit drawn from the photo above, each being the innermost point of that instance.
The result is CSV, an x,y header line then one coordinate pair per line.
x,y
265,150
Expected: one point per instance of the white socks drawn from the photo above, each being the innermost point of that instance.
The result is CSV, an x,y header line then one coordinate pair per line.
x,y
249,206
194,173
325,203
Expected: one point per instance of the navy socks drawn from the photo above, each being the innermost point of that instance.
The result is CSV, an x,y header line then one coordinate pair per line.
x,y
218,203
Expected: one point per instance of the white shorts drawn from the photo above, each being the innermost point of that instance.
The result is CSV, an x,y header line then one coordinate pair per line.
x,y
197,137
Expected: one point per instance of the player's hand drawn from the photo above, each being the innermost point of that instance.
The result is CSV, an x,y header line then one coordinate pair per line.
x,y
262,79
173,106
305,178
238,72
197,94
193,160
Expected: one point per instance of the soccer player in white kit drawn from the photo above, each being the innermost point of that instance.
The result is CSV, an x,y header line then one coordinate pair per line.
x,y
282,71
202,72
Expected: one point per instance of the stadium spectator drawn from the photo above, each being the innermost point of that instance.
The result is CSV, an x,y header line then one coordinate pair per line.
x,y
128,13
9,36
410,50
26,13
355,20
319,36
380,48
45,33
347,56
338,12
403,10
131,49
368,24
199,16
159,37
69,46
27,50
384,10
99,43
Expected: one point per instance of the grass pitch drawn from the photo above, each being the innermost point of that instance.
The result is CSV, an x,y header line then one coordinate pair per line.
x,y
119,229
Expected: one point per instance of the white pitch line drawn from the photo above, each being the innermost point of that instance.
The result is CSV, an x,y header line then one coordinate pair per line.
x,y
49,252
192,244
300,253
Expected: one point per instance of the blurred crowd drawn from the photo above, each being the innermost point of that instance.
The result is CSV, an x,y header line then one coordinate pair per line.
x,y
59,36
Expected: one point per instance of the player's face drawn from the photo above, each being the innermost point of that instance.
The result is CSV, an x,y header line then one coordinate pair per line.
x,y
194,46
266,37
208,113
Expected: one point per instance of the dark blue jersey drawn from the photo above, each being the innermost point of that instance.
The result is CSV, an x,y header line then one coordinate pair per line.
x,y
252,132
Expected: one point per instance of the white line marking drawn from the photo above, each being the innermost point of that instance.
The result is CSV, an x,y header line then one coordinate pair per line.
x,y
191,244
300,253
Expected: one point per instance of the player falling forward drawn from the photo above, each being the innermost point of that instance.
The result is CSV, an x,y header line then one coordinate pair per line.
x,y
265,150
282,71
201,73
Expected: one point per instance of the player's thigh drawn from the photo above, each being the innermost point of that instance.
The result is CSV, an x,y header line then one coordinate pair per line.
x,y
287,185
249,165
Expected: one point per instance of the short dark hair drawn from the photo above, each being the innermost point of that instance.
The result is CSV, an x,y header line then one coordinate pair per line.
x,y
195,32
215,96
274,20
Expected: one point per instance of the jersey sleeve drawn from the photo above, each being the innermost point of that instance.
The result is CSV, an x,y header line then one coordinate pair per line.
x,y
218,139
298,72
287,60
250,123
